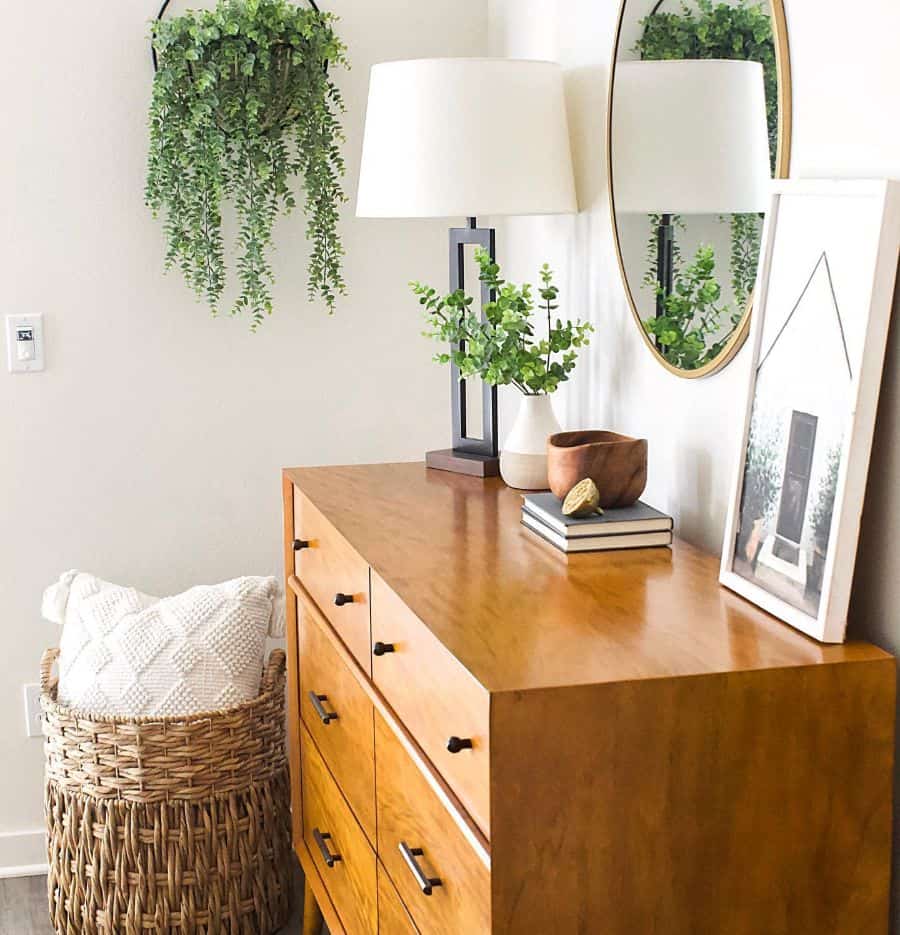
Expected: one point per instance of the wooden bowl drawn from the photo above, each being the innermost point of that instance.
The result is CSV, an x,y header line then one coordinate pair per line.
x,y
616,463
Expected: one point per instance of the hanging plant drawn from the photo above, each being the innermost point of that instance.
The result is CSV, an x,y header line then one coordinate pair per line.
x,y
243,104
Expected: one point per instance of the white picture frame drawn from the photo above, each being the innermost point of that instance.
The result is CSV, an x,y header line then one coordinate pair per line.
x,y
779,561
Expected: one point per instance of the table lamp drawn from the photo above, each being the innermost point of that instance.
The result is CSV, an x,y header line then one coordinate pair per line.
x,y
462,137
688,137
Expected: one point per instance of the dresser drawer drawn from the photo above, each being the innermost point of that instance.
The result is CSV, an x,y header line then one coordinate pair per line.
x,y
436,698
339,848
334,574
442,881
393,919
338,714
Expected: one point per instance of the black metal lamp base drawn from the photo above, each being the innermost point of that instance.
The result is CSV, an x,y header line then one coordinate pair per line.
x,y
469,455
463,462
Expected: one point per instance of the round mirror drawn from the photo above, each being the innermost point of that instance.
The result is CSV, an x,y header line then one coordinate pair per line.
x,y
699,122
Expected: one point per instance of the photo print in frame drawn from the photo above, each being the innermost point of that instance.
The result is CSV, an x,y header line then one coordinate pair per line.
x,y
824,295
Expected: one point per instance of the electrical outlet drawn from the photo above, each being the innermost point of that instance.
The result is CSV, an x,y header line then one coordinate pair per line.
x,y
32,695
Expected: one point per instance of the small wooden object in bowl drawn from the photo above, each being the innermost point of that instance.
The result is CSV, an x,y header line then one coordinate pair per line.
x,y
617,464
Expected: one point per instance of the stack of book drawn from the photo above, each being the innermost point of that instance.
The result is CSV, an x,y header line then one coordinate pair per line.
x,y
632,527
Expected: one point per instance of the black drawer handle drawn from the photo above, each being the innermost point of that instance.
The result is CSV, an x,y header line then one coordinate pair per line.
x,y
326,717
329,858
300,544
455,744
410,854
341,599
381,648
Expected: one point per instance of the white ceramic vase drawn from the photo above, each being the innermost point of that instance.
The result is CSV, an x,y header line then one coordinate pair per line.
x,y
523,461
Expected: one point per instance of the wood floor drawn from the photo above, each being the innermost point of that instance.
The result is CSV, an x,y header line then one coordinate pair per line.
x,y
23,907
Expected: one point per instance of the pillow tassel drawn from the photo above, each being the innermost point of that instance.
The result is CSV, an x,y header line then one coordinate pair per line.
x,y
56,597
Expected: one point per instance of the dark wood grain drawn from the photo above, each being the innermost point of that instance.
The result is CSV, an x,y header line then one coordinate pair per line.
x,y
518,615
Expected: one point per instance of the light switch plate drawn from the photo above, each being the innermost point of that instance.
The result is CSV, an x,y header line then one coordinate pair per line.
x,y
25,343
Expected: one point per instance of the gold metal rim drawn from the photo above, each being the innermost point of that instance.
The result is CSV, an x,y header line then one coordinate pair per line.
x,y
782,171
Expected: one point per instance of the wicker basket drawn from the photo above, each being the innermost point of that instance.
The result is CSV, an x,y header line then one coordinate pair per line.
x,y
169,825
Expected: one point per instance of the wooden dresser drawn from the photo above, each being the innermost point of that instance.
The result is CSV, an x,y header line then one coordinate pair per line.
x,y
489,737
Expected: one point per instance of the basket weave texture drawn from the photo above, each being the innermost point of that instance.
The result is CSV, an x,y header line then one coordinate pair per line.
x,y
177,826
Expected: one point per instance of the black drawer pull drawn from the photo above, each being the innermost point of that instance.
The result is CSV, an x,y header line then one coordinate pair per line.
x,y
300,544
326,717
341,599
329,858
381,648
455,744
425,882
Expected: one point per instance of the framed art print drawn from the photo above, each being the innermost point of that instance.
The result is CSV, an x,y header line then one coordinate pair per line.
x,y
825,289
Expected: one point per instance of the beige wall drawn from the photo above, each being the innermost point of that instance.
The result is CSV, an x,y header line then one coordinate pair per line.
x,y
846,74
150,449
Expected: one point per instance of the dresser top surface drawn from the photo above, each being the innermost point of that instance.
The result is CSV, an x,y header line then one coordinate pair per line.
x,y
518,614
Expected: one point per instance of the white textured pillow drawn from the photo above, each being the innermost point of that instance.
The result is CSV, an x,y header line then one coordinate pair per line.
x,y
130,654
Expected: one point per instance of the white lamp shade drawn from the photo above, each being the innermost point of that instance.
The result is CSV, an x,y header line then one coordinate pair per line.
x,y
689,137
461,137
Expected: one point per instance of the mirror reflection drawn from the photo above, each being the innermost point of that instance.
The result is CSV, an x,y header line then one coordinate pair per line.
x,y
696,108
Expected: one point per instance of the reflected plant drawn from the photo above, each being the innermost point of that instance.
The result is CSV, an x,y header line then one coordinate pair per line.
x,y
717,30
746,232
693,315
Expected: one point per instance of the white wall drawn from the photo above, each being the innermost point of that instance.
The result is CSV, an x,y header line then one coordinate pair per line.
x,y
150,450
846,72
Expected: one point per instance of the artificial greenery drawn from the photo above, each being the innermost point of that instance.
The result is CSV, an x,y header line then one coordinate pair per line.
x,y
501,348
712,31
242,105
721,31
693,315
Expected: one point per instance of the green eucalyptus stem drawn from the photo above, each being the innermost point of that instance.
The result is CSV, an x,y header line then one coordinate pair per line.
x,y
499,345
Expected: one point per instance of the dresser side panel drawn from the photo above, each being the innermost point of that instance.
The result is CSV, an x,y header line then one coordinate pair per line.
x,y
293,666
741,803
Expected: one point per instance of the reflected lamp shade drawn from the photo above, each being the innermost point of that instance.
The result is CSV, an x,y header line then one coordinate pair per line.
x,y
689,137
461,137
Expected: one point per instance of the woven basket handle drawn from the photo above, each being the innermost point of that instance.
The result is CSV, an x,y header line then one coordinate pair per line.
x,y
50,656
274,670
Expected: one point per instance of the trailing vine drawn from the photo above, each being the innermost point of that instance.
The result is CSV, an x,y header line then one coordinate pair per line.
x,y
716,31
242,105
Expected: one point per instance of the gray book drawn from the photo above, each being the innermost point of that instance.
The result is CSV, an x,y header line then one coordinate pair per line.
x,y
639,517
631,540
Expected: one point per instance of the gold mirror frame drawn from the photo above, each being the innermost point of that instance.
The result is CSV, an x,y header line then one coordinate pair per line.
x,y
782,171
